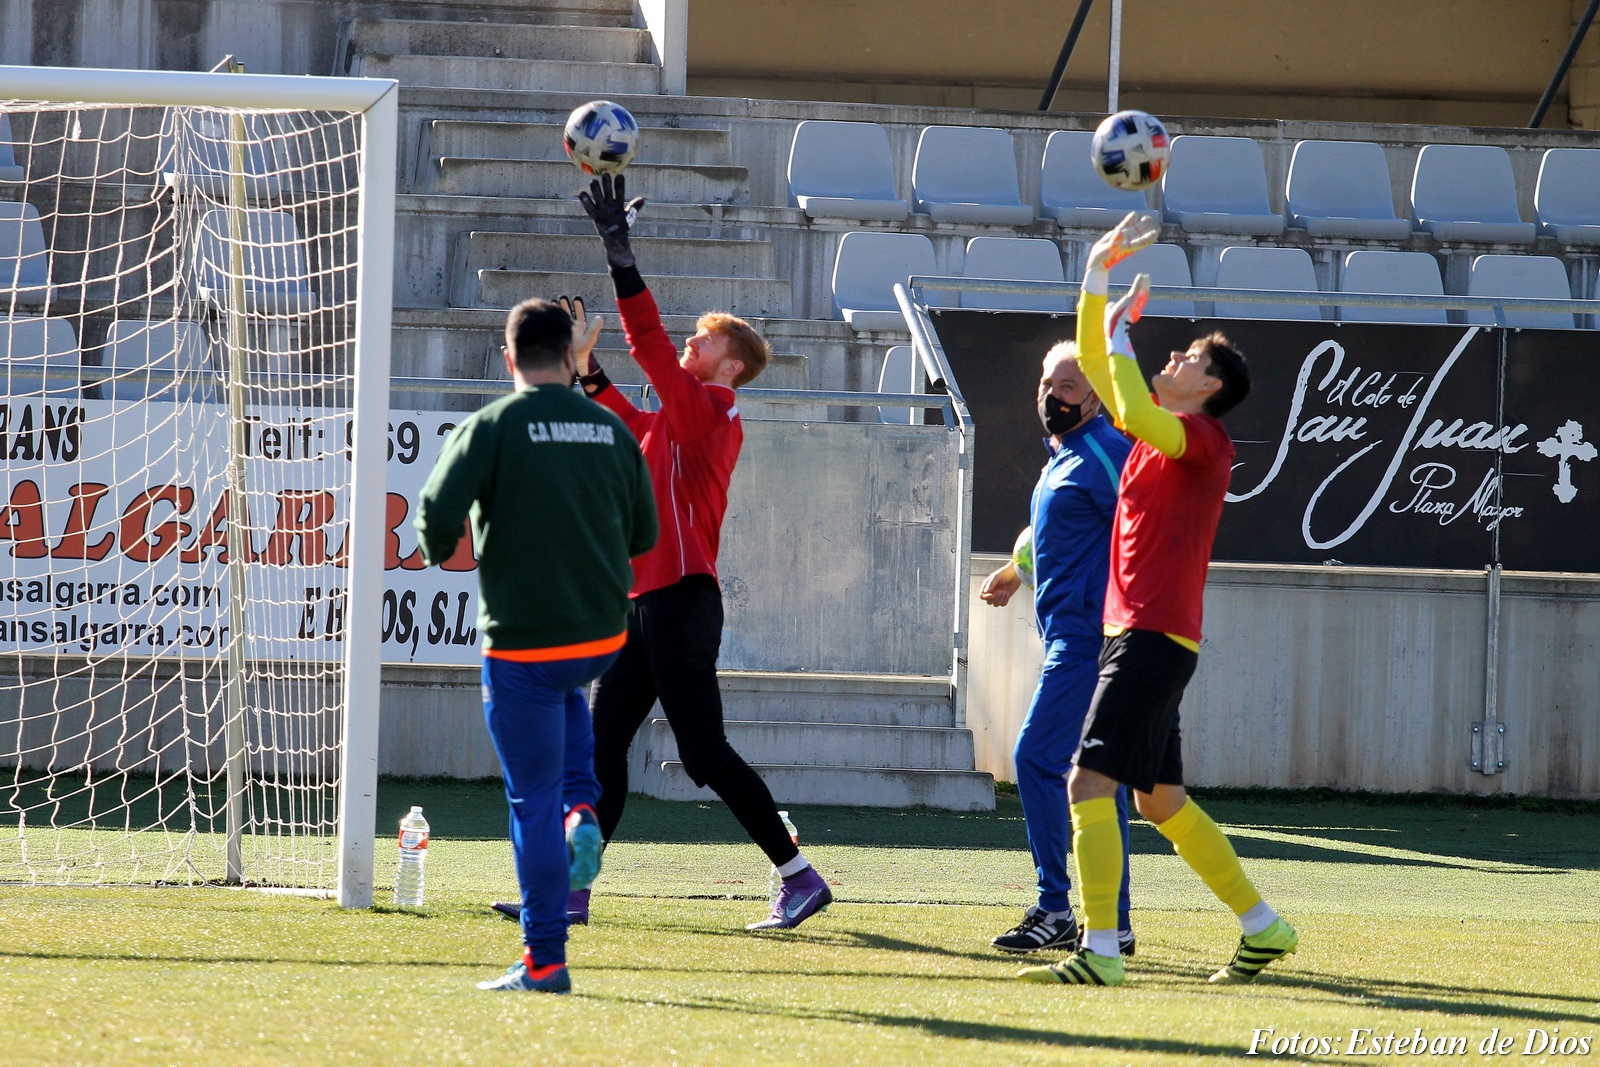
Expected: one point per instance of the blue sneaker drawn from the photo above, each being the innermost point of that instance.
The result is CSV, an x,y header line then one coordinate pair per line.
x,y
524,977
584,847
801,897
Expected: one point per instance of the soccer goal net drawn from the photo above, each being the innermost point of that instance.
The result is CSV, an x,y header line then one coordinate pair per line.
x,y
194,288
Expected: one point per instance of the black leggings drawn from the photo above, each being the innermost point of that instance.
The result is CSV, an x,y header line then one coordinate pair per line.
x,y
674,635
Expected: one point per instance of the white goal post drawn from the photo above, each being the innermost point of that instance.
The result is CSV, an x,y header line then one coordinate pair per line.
x,y
126,742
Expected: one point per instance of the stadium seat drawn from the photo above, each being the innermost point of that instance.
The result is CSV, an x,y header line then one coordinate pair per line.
x,y
161,345
1467,193
842,170
24,259
9,171
1030,259
1341,189
1567,198
968,174
868,265
896,378
1247,267
29,346
1218,185
275,277
1541,277
1399,273
194,154
1166,265
1073,193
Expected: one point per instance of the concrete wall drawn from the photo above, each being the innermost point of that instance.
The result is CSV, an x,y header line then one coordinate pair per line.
x,y
1466,62
1353,678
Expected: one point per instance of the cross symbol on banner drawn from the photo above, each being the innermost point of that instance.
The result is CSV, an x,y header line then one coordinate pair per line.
x,y
1567,445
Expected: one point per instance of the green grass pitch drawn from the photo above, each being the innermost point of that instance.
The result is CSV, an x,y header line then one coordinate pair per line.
x,y
1449,918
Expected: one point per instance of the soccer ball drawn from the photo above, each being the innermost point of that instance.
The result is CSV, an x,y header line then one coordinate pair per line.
x,y
1130,150
601,137
1022,556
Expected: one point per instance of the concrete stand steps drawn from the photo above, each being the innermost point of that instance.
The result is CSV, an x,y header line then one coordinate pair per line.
x,y
573,252
812,744
855,786
816,696
596,79
584,44
560,180
542,140
675,294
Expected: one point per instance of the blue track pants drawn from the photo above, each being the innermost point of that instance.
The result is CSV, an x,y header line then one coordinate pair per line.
x,y
1049,737
539,721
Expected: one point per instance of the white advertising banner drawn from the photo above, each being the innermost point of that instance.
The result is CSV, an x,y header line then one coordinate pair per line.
x,y
113,534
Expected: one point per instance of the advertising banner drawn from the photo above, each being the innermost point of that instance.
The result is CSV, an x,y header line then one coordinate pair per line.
x,y
1388,445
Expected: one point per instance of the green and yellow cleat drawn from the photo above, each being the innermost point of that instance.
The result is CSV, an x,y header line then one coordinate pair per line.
x,y
1255,951
1081,968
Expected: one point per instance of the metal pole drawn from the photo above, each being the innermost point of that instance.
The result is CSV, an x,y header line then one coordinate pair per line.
x,y
1114,63
1488,735
363,639
1578,34
1066,53
238,521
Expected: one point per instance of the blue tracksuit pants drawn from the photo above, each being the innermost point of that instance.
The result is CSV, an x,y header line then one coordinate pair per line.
x,y
1049,737
539,720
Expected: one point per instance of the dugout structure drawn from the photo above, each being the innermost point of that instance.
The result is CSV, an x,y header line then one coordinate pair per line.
x,y
195,290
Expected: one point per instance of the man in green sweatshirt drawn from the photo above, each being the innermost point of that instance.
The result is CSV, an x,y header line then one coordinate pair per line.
x,y
560,501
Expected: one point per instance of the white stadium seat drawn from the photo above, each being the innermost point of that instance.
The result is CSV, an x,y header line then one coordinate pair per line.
x,y
866,269
1341,189
24,258
1247,267
1218,185
1072,192
1567,198
275,277
29,346
195,154
1166,265
968,174
843,170
1395,273
1540,277
896,377
9,171
164,346
1029,259
1467,193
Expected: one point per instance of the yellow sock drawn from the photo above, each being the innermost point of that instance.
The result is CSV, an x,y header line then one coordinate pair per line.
x,y
1097,847
1202,845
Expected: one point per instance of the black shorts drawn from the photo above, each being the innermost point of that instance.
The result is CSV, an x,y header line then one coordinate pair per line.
x,y
1131,733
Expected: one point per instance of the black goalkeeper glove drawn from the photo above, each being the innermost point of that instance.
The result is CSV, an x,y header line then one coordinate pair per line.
x,y
612,214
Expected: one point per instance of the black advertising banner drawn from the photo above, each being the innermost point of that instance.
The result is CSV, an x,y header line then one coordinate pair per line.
x,y
1552,394
1362,443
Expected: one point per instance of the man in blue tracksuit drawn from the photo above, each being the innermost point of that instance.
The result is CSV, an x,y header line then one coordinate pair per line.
x,y
1071,515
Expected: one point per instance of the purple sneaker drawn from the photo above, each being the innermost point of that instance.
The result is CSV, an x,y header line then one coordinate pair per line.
x,y
578,907
801,897
510,911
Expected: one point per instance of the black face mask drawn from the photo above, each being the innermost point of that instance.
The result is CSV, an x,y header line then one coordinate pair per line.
x,y
1058,418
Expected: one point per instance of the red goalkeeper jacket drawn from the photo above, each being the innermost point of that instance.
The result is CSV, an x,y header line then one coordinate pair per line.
x,y
690,446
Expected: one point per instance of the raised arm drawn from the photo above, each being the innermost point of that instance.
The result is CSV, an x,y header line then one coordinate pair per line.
x,y
1105,353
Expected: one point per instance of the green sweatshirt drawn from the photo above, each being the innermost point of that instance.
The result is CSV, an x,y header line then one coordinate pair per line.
x,y
560,501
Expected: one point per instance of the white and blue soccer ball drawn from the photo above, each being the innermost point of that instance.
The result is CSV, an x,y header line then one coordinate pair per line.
x,y
1130,150
601,137
1022,556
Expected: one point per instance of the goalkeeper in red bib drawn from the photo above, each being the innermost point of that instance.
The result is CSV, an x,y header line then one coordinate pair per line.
x,y
1171,500
675,632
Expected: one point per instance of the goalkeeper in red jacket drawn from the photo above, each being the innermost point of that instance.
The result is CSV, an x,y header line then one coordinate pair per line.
x,y
675,632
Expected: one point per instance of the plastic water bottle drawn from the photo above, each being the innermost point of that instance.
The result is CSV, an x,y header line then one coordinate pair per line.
x,y
775,880
413,851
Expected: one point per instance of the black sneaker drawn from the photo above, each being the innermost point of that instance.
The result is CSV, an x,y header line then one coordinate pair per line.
x,y
1125,942
1037,931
